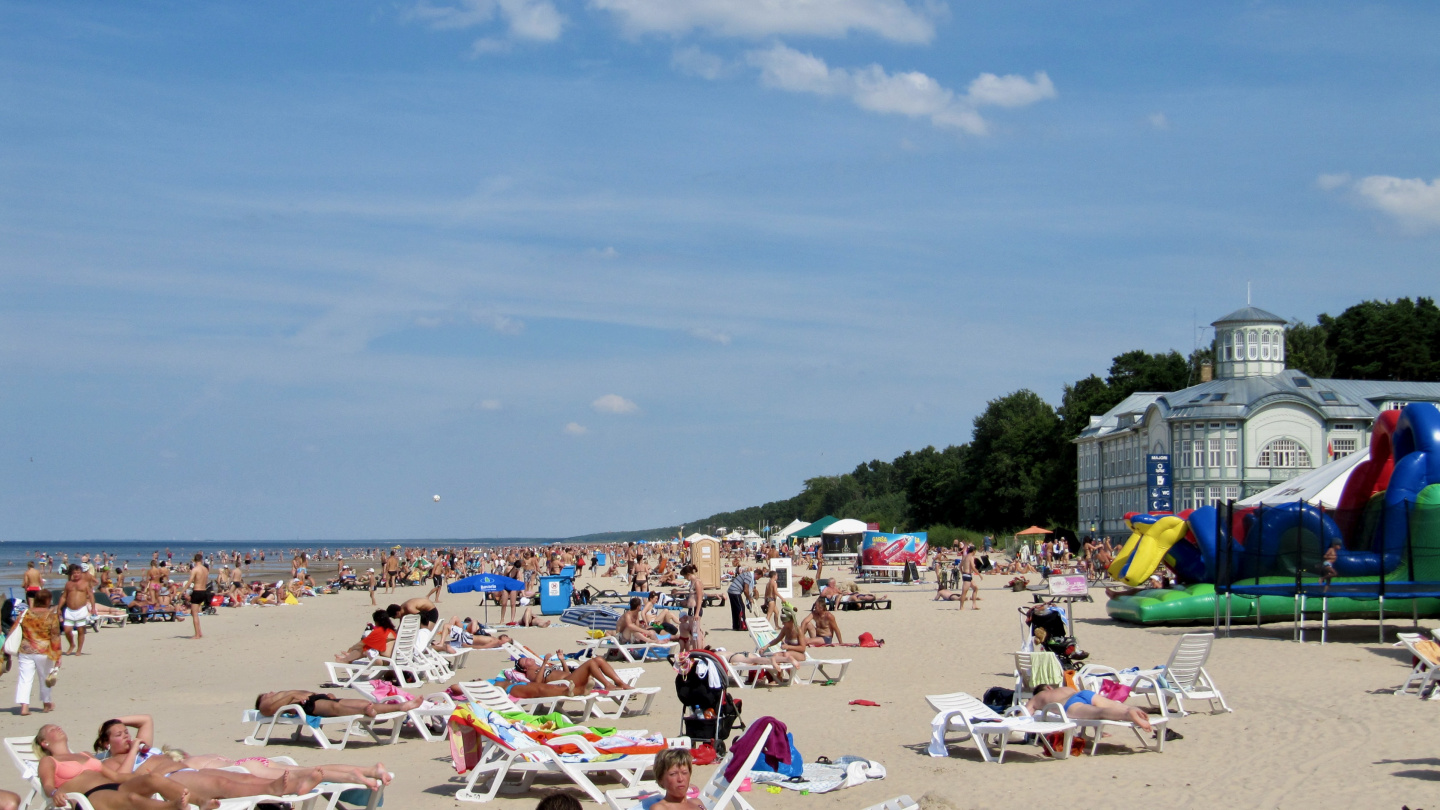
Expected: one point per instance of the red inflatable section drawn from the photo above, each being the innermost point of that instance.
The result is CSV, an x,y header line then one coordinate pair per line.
x,y
1369,476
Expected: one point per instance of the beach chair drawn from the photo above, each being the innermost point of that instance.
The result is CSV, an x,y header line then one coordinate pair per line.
x,y
1425,673
717,794
807,672
408,660
897,803
22,755
526,759
346,675
293,715
1183,676
749,676
1091,730
614,704
962,712
492,697
633,653
437,705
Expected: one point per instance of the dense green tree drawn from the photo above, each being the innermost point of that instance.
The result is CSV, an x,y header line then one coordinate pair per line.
x,y
1306,350
1012,457
1386,340
935,491
1142,371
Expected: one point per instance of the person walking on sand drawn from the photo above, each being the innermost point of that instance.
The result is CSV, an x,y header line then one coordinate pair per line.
x,y
39,652
79,602
199,591
32,582
968,577
392,571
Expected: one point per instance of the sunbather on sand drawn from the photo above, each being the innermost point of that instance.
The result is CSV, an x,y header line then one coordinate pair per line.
x,y
853,594
458,634
320,704
947,595
116,745
1088,705
529,619
555,681
820,628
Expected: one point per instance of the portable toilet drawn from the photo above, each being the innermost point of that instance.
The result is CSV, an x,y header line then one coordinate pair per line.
x,y
555,594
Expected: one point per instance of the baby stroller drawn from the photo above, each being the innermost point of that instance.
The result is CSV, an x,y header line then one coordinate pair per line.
x,y
1046,624
708,713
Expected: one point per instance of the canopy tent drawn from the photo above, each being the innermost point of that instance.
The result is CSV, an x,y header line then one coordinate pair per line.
x,y
846,526
814,529
789,531
1321,486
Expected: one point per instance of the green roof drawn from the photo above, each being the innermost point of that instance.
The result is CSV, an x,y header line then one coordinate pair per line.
x,y
814,529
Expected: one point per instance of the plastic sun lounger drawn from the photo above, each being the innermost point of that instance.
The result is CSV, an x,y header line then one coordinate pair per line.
x,y
621,699
22,756
529,760
898,803
717,794
1425,674
808,671
1096,727
1184,675
345,675
645,651
959,711
749,676
436,705
293,715
492,697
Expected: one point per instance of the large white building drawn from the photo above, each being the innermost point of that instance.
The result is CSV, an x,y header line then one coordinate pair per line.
x,y
1254,425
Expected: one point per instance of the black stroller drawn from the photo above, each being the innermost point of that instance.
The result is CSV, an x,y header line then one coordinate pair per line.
x,y
708,713
1047,625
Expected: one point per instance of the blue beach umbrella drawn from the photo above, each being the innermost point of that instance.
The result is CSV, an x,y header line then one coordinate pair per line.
x,y
485,583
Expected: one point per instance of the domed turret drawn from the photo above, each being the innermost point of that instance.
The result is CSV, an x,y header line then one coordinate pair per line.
x,y
1249,342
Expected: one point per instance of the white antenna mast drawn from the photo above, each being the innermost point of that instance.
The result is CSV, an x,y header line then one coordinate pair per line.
x,y
1247,293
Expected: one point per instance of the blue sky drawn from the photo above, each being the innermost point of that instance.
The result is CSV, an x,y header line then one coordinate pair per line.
x,y
275,270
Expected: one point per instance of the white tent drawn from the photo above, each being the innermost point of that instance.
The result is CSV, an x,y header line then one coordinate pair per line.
x,y
846,526
784,534
1321,486
698,536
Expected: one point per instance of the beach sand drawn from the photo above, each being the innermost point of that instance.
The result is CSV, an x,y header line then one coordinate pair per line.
x,y
1313,726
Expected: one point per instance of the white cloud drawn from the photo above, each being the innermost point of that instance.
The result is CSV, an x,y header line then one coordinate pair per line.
x,y
614,403
503,324
576,429
534,20
489,405
1330,182
911,94
894,20
607,252
710,335
1414,202
696,62
1158,120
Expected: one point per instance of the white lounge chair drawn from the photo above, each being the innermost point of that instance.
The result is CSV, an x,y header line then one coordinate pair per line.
x,y
293,715
634,700
633,653
1092,730
437,705
1424,674
349,674
807,672
748,676
492,697
960,711
22,756
898,803
1183,676
717,794
529,759
410,662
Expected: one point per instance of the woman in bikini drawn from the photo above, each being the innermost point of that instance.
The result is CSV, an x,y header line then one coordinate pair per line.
x,y
105,787
1088,705
138,753
553,680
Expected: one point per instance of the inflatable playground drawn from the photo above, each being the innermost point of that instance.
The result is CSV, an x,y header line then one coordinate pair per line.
x,y
1263,562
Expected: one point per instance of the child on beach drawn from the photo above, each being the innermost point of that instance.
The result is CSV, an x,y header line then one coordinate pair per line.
x,y
672,774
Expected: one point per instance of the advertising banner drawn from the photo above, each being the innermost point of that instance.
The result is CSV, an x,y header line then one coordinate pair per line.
x,y
884,548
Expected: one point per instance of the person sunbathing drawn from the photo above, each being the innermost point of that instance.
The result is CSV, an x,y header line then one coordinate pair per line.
x,y
788,639
820,628
654,615
1088,705
632,628
115,744
378,640
553,680
947,595
320,704
852,594
105,786
461,634
528,619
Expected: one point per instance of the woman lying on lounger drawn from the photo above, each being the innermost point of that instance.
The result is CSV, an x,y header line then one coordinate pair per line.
x,y
1088,705
138,753
546,681
462,634
111,787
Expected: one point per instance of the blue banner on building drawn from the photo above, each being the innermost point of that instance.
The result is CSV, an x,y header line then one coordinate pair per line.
x,y
1157,479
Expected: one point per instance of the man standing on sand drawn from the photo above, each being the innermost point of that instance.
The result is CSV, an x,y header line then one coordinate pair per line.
x,y
392,571
199,591
968,575
33,582
79,605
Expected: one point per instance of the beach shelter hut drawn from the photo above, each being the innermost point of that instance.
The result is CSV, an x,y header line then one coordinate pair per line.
x,y
843,538
1321,486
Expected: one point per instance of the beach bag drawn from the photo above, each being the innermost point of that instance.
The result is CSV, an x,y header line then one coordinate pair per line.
x,y
12,641
1114,690
464,746
795,767
999,699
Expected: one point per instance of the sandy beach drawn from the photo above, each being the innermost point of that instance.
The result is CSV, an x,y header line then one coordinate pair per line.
x,y
1312,727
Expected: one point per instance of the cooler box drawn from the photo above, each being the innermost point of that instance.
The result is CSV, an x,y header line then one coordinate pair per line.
x,y
554,595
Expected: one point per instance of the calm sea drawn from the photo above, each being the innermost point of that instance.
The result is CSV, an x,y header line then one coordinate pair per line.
x,y
14,554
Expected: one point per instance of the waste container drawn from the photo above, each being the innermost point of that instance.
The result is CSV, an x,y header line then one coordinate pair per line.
x,y
600,558
568,571
554,595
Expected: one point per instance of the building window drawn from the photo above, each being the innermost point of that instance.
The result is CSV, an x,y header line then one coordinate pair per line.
x,y
1265,345
1302,382
1185,502
1252,349
1329,397
1232,452
1395,405
1232,493
1215,496
1239,344
1214,453
1340,448
1199,457
1185,453
1284,453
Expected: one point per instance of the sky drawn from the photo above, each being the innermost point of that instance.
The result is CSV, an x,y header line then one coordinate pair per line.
x,y
289,270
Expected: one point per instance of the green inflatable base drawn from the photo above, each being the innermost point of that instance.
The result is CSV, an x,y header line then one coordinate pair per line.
x,y
1197,604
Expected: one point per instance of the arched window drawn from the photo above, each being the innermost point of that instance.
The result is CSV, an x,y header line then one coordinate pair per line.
x,y
1284,453
1239,336
1224,342
1265,345
1279,351
1252,351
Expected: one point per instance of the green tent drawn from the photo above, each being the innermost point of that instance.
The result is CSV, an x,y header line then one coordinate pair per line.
x,y
814,529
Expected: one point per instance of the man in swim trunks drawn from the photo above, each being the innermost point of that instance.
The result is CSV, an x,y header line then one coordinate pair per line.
x,y
33,582
1088,705
947,595
199,591
319,704
79,605
392,571
968,576
428,613
632,628
820,629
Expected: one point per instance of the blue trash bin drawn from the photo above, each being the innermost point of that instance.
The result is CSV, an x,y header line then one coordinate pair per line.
x,y
600,558
554,595
568,571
